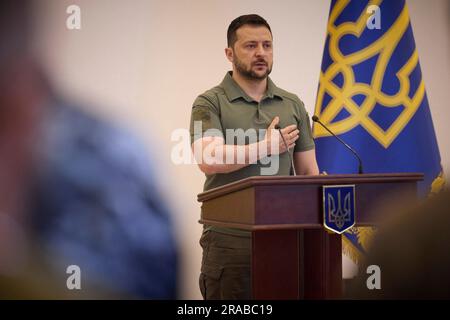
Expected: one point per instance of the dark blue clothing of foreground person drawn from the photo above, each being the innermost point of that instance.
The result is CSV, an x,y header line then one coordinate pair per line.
x,y
97,206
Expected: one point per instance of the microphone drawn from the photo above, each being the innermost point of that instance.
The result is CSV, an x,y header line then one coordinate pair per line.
x,y
360,167
277,127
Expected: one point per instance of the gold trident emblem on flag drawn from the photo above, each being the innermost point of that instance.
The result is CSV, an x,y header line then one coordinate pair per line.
x,y
342,64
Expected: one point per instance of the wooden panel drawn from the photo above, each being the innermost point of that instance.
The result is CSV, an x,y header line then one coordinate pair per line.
x,y
374,198
322,265
295,204
275,269
236,207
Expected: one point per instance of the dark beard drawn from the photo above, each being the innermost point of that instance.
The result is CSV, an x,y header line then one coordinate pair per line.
x,y
249,73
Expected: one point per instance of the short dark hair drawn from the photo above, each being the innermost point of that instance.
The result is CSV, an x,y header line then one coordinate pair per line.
x,y
248,19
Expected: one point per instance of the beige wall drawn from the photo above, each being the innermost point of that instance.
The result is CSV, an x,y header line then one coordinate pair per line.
x,y
142,63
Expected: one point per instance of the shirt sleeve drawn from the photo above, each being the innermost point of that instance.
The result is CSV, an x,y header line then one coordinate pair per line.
x,y
305,141
205,119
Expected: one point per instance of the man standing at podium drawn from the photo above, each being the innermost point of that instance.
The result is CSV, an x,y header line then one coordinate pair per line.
x,y
240,127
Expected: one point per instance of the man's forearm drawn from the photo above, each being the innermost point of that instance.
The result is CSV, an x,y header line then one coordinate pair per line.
x,y
229,158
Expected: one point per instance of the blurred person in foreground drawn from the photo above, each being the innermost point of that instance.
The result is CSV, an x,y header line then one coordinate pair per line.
x,y
412,250
74,190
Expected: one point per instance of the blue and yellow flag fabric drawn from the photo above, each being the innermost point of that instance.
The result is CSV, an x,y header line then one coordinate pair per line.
x,y
372,95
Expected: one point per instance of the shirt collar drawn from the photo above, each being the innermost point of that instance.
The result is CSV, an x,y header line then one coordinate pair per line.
x,y
233,91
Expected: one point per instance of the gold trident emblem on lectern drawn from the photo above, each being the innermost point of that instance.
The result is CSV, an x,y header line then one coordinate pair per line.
x,y
339,214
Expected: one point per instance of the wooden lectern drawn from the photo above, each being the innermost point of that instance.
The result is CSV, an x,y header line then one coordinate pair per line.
x,y
293,257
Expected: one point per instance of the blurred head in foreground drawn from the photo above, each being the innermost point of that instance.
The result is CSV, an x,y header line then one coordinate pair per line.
x,y
74,191
412,251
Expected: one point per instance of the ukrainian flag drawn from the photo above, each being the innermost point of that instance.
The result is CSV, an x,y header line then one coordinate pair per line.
x,y
371,94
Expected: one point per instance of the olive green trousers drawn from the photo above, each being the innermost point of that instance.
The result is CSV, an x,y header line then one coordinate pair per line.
x,y
226,262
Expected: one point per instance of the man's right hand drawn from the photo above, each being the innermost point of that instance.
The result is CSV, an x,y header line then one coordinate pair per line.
x,y
274,142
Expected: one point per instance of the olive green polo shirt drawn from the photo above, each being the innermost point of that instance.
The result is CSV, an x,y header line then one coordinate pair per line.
x,y
227,107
